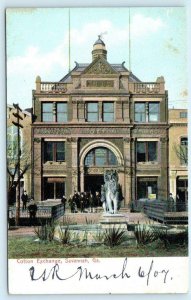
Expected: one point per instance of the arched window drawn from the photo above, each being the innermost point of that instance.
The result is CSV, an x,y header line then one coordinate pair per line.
x,y
100,157
182,151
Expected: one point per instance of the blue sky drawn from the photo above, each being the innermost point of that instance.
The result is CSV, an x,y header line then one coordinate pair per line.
x,y
37,44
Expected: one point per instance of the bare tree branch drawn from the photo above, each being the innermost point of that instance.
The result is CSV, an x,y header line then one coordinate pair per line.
x,y
182,153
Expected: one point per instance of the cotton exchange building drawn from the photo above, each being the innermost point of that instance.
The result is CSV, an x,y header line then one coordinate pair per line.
x,y
100,116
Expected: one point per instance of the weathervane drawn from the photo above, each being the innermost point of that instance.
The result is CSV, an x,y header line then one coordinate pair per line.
x,y
101,34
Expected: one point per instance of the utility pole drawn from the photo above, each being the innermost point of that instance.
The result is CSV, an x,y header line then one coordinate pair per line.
x,y
18,125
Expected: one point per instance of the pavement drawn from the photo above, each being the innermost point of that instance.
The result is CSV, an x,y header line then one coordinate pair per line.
x,y
79,218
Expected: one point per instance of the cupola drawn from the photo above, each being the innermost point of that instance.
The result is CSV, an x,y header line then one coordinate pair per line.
x,y
99,49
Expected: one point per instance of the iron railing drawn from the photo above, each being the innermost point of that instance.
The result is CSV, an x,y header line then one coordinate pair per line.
x,y
44,213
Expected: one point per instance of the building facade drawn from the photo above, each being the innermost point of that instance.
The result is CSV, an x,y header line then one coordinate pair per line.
x,y
178,156
12,152
100,116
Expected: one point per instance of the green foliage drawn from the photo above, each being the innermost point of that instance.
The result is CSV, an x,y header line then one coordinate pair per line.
x,y
26,247
144,234
85,237
178,238
114,236
75,237
65,235
99,236
46,232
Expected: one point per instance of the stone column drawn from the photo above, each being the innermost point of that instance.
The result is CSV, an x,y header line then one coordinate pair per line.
x,y
133,170
127,170
27,182
173,183
75,111
163,179
74,147
37,172
126,111
118,111
81,111
72,157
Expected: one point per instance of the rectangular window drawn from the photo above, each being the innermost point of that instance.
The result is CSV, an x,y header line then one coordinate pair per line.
x,y
49,153
146,151
54,112
147,112
108,112
47,112
92,112
141,152
62,113
140,112
54,188
183,114
54,151
147,187
153,112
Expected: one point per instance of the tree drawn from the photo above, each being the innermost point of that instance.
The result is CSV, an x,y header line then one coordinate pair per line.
x,y
181,151
14,174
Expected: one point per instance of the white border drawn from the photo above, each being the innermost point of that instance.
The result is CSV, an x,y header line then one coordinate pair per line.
x,y
58,3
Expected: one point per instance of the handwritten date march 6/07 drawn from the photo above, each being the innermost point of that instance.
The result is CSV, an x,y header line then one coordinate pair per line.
x,y
147,273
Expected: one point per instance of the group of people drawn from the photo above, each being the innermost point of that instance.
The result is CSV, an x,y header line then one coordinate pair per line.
x,y
83,202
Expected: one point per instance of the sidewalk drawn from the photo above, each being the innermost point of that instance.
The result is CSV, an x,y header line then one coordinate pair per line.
x,y
79,218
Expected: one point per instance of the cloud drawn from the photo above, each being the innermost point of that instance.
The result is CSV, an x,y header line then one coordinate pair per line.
x,y
143,26
35,61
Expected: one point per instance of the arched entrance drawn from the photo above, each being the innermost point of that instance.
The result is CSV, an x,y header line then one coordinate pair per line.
x,y
95,158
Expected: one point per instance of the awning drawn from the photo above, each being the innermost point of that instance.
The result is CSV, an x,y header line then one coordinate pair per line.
x,y
182,177
55,179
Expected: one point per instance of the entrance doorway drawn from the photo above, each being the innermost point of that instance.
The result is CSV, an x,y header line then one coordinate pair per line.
x,y
182,194
92,183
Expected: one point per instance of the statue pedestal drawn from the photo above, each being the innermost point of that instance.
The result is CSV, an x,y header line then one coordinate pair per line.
x,y
113,220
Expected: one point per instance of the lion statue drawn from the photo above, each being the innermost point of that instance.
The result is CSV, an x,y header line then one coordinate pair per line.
x,y
111,192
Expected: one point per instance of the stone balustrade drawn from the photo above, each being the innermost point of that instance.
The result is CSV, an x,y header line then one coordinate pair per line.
x,y
147,88
50,87
157,87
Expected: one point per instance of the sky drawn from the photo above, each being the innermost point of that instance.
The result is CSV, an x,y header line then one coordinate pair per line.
x,y
37,44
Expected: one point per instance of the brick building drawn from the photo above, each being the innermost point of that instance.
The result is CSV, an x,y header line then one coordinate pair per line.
x,y
100,116
178,158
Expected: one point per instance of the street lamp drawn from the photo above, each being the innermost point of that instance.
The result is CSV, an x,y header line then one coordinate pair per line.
x,y
18,125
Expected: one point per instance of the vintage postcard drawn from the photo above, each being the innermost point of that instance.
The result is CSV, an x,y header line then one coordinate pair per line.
x,y
97,150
